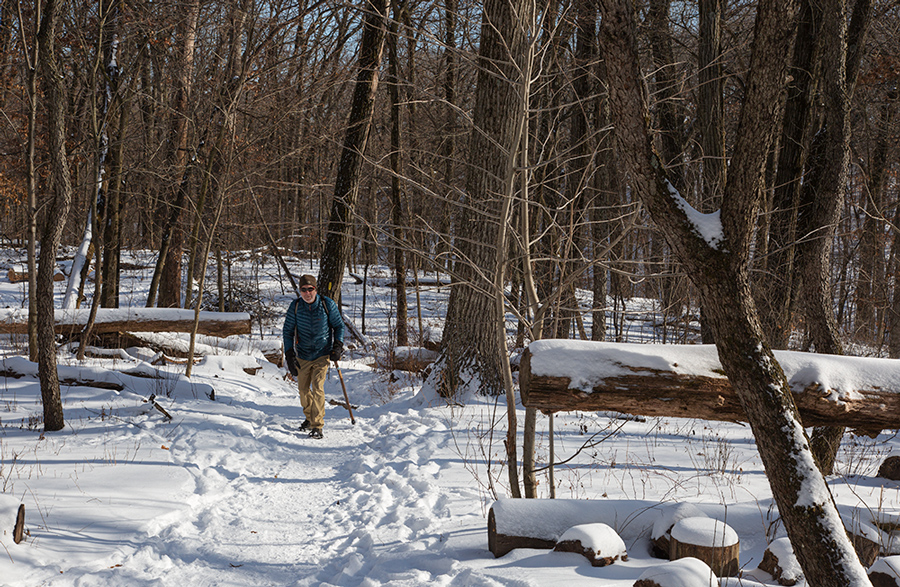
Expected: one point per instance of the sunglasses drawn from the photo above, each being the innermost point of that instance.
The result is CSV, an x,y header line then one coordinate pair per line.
x,y
307,289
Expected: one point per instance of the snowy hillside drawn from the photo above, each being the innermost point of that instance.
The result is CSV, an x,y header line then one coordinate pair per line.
x,y
229,492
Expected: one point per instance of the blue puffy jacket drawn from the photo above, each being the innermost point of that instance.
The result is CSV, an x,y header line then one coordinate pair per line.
x,y
310,330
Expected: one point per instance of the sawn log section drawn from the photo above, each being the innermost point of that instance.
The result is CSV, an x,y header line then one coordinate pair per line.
x,y
629,379
219,324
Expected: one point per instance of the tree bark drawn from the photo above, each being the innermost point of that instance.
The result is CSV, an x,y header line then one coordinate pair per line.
x,y
52,81
166,280
710,104
32,59
346,187
397,195
777,291
471,353
719,269
822,198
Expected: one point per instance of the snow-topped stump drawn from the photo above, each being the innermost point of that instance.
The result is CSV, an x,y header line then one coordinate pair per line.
x,y
219,324
780,561
685,572
597,542
669,514
711,541
885,572
688,381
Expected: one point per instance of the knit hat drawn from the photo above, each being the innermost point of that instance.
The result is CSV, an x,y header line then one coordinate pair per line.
x,y
307,280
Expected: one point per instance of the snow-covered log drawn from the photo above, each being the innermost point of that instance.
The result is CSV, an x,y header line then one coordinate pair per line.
x,y
19,274
688,381
541,523
219,324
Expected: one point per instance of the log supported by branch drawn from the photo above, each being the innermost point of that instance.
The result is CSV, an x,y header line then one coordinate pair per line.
x,y
687,381
68,322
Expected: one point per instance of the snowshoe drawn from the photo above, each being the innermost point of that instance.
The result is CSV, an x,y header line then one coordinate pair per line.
x,y
304,426
315,433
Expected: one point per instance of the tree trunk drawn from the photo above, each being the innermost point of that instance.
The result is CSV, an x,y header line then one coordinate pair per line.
x,y
448,140
471,349
32,58
346,187
776,294
710,104
529,430
719,269
55,96
397,195
822,198
166,279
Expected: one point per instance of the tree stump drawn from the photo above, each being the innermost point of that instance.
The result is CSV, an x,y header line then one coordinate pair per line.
x,y
19,529
890,468
708,540
886,572
685,572
596,542
669,515
780,562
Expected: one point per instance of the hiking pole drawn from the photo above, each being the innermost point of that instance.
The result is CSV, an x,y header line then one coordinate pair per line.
x,y
346,397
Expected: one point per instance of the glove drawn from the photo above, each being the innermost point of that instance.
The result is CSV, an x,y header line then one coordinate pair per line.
x,y
290,361
337,349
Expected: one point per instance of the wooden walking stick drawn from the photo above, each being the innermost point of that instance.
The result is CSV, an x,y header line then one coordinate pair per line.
x,y
346,397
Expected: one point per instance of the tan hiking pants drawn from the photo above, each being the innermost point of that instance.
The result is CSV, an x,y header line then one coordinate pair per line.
x,y
311,382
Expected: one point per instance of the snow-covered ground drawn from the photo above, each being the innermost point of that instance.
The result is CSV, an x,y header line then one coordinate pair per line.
x,y
229,492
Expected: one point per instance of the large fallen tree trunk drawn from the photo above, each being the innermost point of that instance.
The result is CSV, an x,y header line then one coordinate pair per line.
x,y
69,322
687,381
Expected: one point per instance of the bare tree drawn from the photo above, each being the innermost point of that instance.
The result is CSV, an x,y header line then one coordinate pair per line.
x,y
346,187
53,83
718,265
822,195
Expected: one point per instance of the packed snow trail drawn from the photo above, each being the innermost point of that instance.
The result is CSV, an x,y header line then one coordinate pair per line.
x,y
264,504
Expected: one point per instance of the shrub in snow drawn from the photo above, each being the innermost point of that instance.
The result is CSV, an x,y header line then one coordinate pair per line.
x,y
669,515
780,562
597,542
885,572
684,572
712,541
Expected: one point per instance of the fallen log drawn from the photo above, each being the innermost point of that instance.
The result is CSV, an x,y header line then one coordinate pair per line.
x,y
133,379
68,322
19,275
687,381
540,523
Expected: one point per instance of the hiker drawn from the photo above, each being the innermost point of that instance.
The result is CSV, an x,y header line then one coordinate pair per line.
x,y
313,334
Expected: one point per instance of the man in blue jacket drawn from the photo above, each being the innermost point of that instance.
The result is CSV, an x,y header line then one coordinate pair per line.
x,y
313,334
